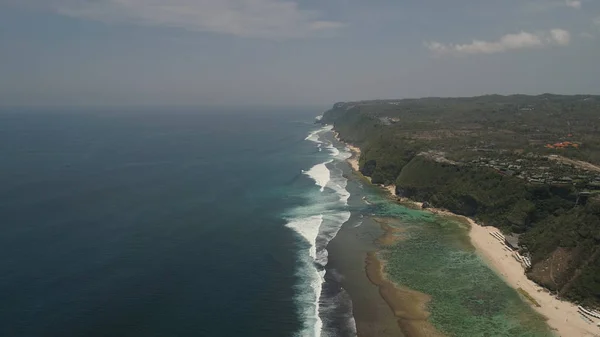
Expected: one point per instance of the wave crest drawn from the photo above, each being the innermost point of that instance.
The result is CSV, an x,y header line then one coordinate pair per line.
x,y
317,224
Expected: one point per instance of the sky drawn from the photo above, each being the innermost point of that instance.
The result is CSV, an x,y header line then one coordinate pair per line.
x,y
292,52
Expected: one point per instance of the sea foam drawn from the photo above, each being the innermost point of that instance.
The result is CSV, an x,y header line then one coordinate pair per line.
x,y
338,184
317,223
314,135
308,228
320,174
335,152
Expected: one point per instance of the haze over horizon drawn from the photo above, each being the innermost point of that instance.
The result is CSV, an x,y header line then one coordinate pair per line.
x,y
276,52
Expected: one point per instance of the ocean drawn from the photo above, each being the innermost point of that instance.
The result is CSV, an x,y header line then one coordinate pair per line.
x,y
166,222
217,222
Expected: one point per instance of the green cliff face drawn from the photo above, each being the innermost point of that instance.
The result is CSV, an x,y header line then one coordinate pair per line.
x,y
560,231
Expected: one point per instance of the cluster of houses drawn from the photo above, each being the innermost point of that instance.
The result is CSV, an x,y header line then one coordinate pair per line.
x,y
536,170
562,145
511,244
388,120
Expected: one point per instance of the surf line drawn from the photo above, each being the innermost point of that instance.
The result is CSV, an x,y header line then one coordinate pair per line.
x,y
317,224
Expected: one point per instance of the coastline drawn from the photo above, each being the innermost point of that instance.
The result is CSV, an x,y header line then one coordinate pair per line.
x,y
561,316
353,161
408,307
412,318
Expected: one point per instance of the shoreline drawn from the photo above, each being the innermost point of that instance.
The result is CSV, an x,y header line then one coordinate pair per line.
x,y
412,319
561,316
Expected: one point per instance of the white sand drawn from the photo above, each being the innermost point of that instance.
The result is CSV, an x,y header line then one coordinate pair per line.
x,y
391,189
353,161
562,316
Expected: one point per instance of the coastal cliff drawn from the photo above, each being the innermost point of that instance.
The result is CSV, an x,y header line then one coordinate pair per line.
x,y
556,227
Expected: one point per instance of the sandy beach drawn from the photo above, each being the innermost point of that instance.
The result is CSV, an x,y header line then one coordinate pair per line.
x,y
562,316
353,161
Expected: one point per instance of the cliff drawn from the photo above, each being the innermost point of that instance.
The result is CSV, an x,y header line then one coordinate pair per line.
x,y
560,232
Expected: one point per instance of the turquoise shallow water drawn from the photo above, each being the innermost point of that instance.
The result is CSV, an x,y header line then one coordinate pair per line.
x,y
435,257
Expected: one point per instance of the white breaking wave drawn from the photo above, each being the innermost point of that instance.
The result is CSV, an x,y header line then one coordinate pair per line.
x,y
317,224
314,135
317,231
320,174
330,227
308,228
343,155
335,152
338,184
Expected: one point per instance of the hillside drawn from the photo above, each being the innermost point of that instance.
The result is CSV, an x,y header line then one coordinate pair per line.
x,y
525,164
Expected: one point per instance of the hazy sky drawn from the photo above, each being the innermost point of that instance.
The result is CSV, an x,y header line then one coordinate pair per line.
x,y
280,52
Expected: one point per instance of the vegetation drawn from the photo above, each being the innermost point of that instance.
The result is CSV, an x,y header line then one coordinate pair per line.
x,y
488,158
528,296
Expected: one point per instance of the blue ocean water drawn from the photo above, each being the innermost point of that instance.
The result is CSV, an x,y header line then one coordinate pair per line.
x,y
165,222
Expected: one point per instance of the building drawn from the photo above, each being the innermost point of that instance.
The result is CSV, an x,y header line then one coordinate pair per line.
x,y
512,241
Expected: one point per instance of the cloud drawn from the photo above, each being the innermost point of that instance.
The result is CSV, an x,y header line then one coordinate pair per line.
x,y
508,42
544,5
273,19
573,3
560,37
596,21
